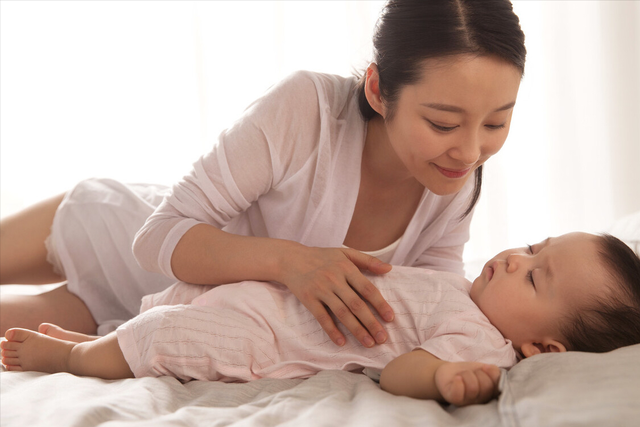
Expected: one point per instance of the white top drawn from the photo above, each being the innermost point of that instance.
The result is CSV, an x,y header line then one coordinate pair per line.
x,y
223,335
384,254
290,169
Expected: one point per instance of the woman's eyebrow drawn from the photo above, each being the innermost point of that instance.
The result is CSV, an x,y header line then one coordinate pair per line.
x,y
444,107
506,107
455,109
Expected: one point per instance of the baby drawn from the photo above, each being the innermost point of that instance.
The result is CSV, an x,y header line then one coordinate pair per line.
x,y
447,342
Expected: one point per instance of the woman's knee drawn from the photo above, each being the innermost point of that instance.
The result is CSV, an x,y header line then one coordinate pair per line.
x,y
57,306
23,253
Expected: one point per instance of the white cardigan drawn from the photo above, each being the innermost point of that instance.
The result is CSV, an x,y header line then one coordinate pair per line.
x,y
290,169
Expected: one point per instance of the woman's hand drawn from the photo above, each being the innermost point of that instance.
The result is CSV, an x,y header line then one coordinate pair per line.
x,y
325,280
329,280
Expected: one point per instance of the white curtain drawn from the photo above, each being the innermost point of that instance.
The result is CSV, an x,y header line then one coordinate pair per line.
x,y
138,90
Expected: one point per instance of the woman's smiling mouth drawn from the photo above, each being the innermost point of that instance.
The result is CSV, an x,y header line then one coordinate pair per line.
x,y
452,173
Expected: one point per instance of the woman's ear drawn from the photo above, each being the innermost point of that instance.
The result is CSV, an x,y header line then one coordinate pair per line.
x,y
547,346
372,90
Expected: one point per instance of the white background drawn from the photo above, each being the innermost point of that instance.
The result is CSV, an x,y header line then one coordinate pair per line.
x,y
137,91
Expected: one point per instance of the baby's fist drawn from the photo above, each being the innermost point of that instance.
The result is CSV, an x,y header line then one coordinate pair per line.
x,y
467,383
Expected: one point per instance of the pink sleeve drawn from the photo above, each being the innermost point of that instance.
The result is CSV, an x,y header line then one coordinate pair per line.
x,y
468,341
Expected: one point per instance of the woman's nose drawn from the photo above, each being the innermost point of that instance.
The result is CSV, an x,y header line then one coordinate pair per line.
x,y
467,151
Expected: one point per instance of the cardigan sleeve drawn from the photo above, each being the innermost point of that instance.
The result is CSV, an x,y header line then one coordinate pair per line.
x,y
271,141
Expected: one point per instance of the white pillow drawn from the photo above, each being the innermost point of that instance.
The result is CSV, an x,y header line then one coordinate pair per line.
x,y
573,389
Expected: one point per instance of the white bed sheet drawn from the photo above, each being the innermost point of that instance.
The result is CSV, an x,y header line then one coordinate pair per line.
x,y
571,389
331,398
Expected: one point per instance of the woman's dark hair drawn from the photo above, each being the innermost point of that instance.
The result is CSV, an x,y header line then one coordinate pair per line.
x,y
614,321
410,31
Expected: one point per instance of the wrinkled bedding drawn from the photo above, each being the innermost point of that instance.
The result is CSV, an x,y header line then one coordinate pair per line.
x,y
545,390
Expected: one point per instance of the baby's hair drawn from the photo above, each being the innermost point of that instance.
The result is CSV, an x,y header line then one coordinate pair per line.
x,y
614,321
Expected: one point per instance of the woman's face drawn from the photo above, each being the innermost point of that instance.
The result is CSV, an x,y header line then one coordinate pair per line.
x,y
450,122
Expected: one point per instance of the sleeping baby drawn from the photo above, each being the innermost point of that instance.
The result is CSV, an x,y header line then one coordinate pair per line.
x,y
447,342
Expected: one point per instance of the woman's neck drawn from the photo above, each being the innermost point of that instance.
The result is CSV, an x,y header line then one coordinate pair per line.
x,y
379,159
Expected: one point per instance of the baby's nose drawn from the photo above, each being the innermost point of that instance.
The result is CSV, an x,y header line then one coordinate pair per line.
x,y
513,261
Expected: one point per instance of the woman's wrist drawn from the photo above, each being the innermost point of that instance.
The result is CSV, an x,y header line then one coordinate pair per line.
x,y
284,253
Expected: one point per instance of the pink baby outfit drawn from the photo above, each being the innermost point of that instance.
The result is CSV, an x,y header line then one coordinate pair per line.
x,y
252,330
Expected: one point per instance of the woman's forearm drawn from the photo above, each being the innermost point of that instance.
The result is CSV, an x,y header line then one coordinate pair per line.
x,y
208,255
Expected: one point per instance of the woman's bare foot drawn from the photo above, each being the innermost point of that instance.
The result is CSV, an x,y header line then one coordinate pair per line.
x,y
27,350
56,331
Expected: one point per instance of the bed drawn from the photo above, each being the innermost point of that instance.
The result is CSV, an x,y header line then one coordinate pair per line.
x,y
548,390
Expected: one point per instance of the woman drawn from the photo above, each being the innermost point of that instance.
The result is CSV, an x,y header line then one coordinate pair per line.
x,y
322,177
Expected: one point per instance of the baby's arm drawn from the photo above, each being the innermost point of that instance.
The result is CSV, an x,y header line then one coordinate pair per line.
x,y
421,375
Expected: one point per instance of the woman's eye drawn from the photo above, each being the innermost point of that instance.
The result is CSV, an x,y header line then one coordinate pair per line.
x,y
530,249
495,127
441,128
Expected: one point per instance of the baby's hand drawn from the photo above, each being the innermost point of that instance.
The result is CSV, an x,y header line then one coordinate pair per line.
x,y
467,383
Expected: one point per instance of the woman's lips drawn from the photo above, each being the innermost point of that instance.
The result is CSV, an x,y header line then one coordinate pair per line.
x,y
453,173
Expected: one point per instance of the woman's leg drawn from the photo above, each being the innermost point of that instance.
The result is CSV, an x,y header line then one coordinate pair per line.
x,y
23,255
23,260
27,350
57,306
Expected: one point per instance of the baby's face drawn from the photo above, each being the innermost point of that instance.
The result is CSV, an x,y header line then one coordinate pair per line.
x,y
526,292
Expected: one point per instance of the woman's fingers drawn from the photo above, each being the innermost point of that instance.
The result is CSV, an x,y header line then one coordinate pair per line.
x,y
367,262
347,317
365,288
354,298
326,322
330,282
352,312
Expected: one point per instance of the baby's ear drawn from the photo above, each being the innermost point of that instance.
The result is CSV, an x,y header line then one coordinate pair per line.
x,y
547,346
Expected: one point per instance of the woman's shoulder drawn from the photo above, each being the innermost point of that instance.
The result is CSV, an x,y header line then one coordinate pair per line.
x,y
295,120
321,82
294,111
308,88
